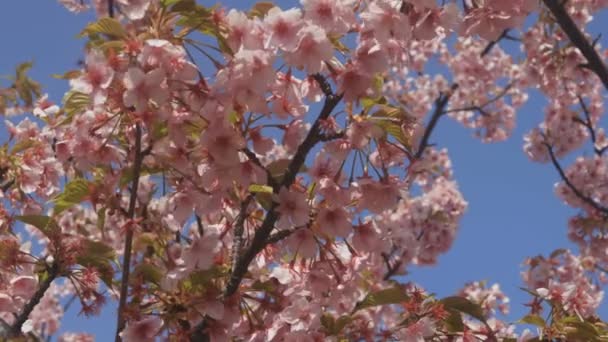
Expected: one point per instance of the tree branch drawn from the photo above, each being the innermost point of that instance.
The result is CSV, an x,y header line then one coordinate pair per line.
x,y
571,186
111,8
262,234
488,48
576,36
589,125
124,286
239,228
253,158
440,104
15,329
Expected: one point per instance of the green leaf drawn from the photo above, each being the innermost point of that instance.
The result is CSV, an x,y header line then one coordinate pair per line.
x,y
454,322
584,331
203,277
98,250
68,75
465,306
388,111
332,326
167,3
107,26
534,320
392,295
101,219
338,45
22,70
278,167
266,286
44,223
367,102
149,273
75,102
259,188
99,256
558,252
182,5
260,9
73,193
23,145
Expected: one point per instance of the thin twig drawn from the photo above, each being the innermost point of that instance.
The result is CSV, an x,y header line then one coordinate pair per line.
x,y
572,187
124,286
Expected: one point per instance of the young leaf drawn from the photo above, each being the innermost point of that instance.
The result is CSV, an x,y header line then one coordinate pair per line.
x,y
44,223
393,295
261,9
534,320
148,272
107,26
259,188
74,192
75,102
465,306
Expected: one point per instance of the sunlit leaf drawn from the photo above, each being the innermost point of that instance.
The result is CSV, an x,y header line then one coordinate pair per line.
x,y
261,8
149,273
257,188
68,75
75,102
107,26
394,295
534,320
465,306
44,224
73,193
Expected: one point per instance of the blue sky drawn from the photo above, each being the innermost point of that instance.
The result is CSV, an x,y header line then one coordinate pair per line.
x,y
512,213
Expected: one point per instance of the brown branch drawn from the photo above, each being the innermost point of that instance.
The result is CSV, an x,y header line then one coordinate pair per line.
x,y
480,108
576,36
440,104
111,8
490,46
15,329
262,234
253,158
124,286
571,186
589,125
239,228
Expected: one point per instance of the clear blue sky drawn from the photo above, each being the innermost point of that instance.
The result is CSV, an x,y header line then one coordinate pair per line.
x,y
512,214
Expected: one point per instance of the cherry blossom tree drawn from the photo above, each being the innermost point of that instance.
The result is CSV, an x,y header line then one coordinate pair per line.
x,y
270,174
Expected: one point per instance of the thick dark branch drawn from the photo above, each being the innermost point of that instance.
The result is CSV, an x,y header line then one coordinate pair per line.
x,y
261,237
488,48
576,36
15,329
239,228
280,235
337,135
111,8
571,186
251,156
124,285
440,105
